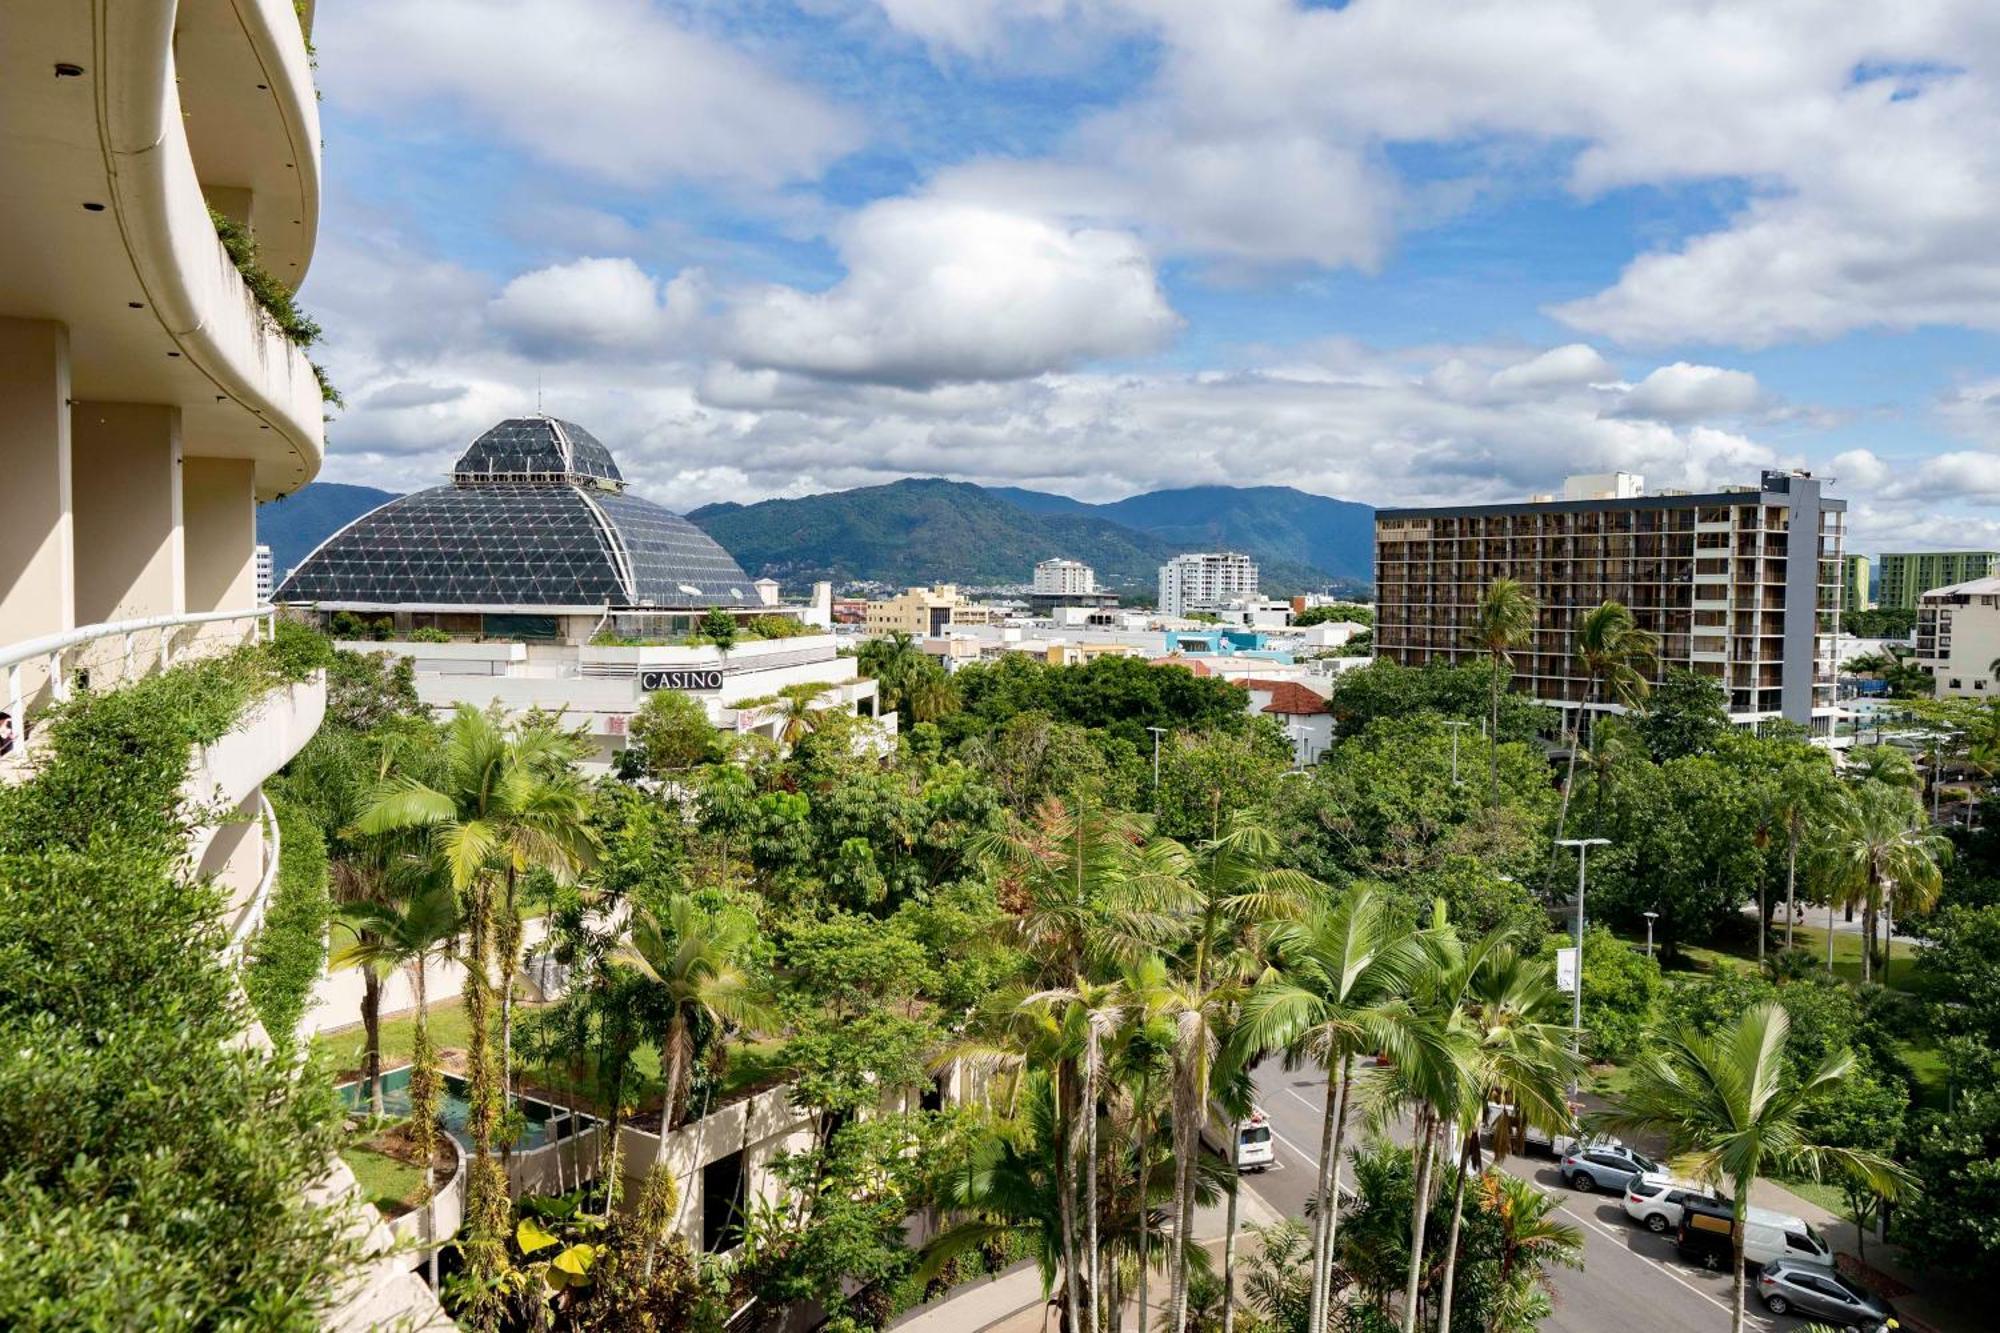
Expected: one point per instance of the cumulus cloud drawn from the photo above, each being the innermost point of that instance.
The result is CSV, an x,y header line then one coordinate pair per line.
x,y
1572,363
610,306
1684,392
613,89
1869,149
940,290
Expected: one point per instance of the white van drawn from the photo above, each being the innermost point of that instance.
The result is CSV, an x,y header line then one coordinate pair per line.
x,y
1767,1237
1254,1148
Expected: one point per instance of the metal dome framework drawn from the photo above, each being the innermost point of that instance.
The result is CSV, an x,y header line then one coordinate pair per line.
x,y
536,518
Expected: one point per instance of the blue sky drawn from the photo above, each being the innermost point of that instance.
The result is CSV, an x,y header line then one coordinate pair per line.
x,y
1397,252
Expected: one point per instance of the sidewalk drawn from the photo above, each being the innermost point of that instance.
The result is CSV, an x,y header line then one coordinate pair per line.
x,y
1012,1301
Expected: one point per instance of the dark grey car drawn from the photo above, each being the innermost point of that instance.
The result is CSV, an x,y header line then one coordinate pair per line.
x,y
1604,1166
1821,1293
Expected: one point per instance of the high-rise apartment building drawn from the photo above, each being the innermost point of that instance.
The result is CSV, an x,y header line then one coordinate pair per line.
x,y
264,580
1061,578
1908,575
1740,585
1854,593
1205,581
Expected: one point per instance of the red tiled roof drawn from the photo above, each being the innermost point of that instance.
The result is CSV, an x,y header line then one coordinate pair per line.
x,y
1194,665
1288,696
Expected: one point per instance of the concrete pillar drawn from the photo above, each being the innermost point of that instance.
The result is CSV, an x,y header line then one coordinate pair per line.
x,y
37,566
130,558
219,526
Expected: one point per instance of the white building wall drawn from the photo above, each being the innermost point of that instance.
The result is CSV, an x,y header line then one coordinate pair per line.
x,y
1205,581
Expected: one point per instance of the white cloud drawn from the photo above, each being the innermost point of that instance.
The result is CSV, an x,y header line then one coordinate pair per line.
x,y
609,88
1868,149
1572,363
611,306
1684,392
938,290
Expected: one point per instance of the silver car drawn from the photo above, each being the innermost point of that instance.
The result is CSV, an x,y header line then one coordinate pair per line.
x,y
1807,1289
1604,1166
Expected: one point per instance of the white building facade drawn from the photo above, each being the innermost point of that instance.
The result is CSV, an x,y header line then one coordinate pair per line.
x,y
1064,578
264,580
1958,638
1206,581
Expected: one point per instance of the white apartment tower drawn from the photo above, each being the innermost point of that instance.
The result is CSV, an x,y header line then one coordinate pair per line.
x,y
1205,581
1064,578
264,580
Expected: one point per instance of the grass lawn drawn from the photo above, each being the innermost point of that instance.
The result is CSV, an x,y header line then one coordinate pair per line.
x,y
389,1183
1927,1063
753,1064
1811,941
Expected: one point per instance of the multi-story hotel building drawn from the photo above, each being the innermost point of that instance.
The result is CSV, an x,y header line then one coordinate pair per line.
x,y
1908,575
1205,581
1059,577
1741,585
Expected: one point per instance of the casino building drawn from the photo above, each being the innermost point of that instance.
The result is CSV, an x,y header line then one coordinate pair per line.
x,y
537,580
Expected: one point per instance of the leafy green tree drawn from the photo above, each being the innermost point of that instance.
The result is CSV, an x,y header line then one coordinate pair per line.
x,y
1339,611
1963,961
1383,689
719,628
1687,713
1207,776
671,734
1953,1220
1617,659
1723,1107
1621,993
1502,620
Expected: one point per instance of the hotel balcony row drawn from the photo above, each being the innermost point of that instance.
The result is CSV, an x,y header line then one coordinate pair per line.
x,y
147,402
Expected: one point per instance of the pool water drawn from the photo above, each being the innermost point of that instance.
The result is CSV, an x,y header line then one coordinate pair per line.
x,y
545,1124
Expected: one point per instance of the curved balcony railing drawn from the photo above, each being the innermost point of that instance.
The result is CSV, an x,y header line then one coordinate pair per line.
x,y
49,669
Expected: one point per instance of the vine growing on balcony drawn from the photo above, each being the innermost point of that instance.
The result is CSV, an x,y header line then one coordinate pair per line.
x,y
277,301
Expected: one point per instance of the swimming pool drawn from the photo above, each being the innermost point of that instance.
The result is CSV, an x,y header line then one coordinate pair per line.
x,y
546,1124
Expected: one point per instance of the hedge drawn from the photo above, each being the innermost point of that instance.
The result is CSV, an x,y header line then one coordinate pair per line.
x,y
289,952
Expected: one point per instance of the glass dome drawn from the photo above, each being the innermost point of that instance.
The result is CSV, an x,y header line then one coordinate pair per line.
x,y
536,516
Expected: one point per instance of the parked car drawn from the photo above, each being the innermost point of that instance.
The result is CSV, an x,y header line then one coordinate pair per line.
x,y
1768,1237
1807,1289
1604,1166
1655,1200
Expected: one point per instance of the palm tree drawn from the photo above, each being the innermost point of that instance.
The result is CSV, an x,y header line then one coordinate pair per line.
x,y
505,801
1086,1016
1200,1018
416,924
1618,658
1880,850
1530,1240
1729,1114
1142,1055
1883,764
1502,621
1516,1020
694,962
1337,992
794,704
1805,794
930,694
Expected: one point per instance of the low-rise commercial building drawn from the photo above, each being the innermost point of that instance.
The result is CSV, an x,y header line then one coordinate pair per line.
x,y
1908,575
1205,581
924,612
1958,638
1740,585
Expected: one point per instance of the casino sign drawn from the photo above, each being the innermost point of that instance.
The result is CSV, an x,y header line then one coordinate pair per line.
x,y
681,678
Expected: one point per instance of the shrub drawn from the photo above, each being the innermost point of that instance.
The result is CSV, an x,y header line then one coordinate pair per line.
x,y
289,952
1621,988
429,634
298,650
156,1169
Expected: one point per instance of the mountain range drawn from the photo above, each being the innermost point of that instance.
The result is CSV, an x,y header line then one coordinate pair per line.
x,y
928,530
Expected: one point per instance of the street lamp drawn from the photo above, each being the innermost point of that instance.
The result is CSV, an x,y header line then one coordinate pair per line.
x,y
1583,846
1457,724
1649,933
1157,733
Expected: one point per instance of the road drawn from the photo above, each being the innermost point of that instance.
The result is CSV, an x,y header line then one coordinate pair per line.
x,y
1630,1281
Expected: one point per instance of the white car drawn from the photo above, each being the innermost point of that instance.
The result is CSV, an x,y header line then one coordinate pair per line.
x,y
1656,1200
1254,1149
